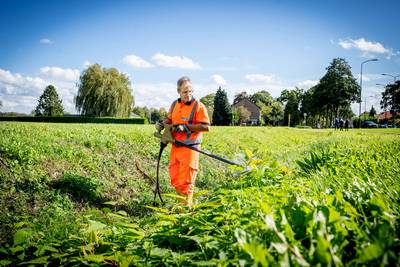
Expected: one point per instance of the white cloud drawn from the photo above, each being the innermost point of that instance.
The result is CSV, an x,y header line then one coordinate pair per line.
x,y
46,41
260,78
218,79
20,93
136,62
155,95
370,77
16,84
174,62
62,74
367,47
307,84
159,95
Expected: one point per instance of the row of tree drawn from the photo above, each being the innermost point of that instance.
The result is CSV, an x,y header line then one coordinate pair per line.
x,y
107,92
331,98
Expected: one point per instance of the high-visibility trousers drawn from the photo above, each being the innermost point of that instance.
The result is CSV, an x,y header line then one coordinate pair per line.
x,y
183,167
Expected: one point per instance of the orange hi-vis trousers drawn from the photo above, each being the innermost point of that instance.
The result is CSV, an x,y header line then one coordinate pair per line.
x,y
183,167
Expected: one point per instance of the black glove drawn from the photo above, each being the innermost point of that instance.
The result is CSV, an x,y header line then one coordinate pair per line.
x,y
180,128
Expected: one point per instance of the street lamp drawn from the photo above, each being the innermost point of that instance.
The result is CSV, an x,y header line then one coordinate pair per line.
x,y
394,76
359,110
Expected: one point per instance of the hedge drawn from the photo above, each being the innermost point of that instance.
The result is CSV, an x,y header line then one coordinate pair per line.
x,y
74,119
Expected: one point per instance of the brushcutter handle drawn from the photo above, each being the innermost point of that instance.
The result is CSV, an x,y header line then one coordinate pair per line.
x,y
166,134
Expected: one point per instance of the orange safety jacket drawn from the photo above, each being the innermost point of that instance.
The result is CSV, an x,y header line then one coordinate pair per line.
x,y
192,112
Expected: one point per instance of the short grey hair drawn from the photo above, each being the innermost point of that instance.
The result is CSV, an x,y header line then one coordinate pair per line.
x,y
182,80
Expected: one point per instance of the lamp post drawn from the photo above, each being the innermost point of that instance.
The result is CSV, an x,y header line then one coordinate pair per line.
x,y
359,110
394,76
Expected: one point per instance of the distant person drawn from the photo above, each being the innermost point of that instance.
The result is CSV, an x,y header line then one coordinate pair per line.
x,y
336,124
346,124
341,123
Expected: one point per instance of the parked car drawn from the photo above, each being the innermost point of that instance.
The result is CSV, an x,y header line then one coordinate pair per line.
x,y
369,124
385,125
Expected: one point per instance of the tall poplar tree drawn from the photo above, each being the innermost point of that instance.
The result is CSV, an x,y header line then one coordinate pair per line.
x,y
222,109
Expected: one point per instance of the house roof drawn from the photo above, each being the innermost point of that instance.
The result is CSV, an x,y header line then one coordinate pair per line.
x,y
245,102
387,115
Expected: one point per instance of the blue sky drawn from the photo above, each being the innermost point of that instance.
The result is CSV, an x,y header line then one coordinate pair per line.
x,y
239,45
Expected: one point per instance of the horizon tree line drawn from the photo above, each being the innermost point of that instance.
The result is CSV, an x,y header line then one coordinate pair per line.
x,y
107,92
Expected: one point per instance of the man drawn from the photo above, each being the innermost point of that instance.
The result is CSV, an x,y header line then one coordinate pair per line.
x,y
189,119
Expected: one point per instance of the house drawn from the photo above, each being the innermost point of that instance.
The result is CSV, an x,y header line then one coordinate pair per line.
x,y
255,116
387,115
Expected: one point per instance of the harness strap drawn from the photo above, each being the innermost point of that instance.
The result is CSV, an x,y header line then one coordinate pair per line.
x,y
192,112
191,117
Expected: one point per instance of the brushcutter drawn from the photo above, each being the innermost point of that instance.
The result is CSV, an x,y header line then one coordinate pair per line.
x,y
166,137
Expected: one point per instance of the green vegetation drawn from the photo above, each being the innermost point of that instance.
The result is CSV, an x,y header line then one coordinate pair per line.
x,y
49,103
222,109
80,194
104,92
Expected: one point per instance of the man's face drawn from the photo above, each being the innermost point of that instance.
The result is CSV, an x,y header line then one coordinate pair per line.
x,y
186,91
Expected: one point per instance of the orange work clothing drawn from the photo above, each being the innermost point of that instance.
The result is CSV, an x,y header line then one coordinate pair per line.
x,y
184,162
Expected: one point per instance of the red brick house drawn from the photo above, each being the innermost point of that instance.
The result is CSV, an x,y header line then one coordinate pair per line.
x,y
386,115
255,116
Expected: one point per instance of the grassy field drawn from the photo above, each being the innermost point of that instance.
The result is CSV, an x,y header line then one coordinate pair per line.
x,y
81,194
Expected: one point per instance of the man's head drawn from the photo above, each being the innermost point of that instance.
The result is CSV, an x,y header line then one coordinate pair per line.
x,y
185,89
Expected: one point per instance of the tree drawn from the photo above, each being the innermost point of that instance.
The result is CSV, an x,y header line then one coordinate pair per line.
x,y
222,109
243,114
276,113
293,99
262,98
157,115
49,103
143,112
104,92
264,101
391,98
372,112
337,88
208,101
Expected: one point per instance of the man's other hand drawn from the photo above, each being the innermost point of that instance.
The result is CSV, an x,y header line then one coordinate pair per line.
x,y
180,128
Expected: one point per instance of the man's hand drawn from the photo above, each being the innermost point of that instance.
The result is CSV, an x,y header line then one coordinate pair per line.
x,y
159,126
180,128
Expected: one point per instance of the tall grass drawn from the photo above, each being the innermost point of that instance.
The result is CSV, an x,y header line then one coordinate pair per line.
x,y
81,195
